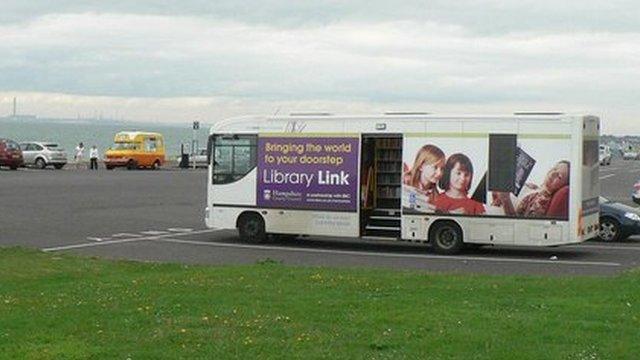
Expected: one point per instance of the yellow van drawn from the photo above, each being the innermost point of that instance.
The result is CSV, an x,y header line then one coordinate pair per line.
x,y
135,149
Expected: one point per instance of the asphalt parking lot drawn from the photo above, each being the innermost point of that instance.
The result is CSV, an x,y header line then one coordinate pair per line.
x,y
157,216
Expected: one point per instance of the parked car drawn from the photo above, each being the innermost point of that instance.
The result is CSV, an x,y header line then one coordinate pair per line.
x,y
200,159
10,154
42,154
635,195
629,155
605,155
617,221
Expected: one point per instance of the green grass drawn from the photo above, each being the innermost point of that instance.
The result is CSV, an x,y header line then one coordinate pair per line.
x,y
56,306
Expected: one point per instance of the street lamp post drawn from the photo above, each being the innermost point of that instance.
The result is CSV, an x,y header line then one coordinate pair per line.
x,y
194,142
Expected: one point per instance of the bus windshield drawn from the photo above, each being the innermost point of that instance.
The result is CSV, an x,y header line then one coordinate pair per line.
x,y
233,157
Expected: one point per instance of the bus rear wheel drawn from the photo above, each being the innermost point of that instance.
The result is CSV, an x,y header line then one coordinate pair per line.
x,y
446,238
251,228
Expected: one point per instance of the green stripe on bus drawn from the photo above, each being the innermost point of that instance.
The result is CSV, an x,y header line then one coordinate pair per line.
x,y
544,136
446,135
425,134
295,135
484,135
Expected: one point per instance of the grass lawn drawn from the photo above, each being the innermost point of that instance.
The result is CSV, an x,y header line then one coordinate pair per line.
x,y
61,306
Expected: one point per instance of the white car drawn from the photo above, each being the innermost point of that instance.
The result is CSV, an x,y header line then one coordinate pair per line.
x,y
635,195
43,154
605,155
200,158
630,155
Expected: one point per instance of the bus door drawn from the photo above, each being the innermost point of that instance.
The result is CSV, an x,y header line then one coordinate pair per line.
x,y
381,185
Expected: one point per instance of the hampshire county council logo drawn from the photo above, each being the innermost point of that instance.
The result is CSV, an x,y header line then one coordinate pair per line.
x,y
267,194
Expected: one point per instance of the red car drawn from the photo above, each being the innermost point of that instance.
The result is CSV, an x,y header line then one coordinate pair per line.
x,y
10,154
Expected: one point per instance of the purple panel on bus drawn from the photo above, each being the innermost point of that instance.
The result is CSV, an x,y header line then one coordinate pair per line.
x,y
316,173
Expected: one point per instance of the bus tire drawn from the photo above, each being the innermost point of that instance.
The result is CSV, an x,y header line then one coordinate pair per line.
x,y
446,237
251,228
131,165
156,165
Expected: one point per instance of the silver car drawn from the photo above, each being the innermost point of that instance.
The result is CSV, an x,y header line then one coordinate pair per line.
x,y
43,154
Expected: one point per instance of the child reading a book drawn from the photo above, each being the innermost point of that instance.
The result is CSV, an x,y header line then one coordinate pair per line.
x,y
456,181
427,170
422,179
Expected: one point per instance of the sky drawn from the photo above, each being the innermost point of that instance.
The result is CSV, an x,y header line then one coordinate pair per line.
x,y
179,61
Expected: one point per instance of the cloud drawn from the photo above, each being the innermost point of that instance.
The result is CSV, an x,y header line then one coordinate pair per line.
x,y
469,55
484,16
133,55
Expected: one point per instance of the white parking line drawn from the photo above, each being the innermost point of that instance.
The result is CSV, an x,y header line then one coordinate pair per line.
x,y
180,230
154,232
78,246
125,235
120,241
96,239
605,247
607,176
392,255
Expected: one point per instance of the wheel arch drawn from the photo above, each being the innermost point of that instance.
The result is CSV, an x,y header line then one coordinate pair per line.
x,y
437,223
612,217
248,213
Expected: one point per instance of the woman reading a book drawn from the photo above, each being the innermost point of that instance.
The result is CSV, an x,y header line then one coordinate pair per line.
x,y
548,200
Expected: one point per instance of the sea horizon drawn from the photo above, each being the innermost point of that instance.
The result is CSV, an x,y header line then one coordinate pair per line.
x,y
69,132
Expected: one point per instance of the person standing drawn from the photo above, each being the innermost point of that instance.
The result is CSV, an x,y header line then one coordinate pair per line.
x,y
79,155
93,157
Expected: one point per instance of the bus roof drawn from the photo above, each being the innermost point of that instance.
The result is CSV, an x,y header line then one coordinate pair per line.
x,y
257,123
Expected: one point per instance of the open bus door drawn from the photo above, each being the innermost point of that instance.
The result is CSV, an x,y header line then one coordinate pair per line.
x,y
381,185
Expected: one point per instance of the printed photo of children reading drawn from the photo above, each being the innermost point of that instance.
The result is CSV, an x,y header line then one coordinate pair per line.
x,y
437,184
549,200
421,180
456,182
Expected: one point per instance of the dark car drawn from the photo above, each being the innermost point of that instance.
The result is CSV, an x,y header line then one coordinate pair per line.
x,y
10,154
617,221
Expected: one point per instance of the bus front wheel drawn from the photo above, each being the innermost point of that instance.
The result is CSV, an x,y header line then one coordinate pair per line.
x,y
446,238
251,228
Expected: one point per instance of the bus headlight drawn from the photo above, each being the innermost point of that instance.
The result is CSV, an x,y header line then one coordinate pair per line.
x,y
632,216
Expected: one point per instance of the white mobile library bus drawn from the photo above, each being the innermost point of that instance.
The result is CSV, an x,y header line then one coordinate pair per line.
x,y
527,179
